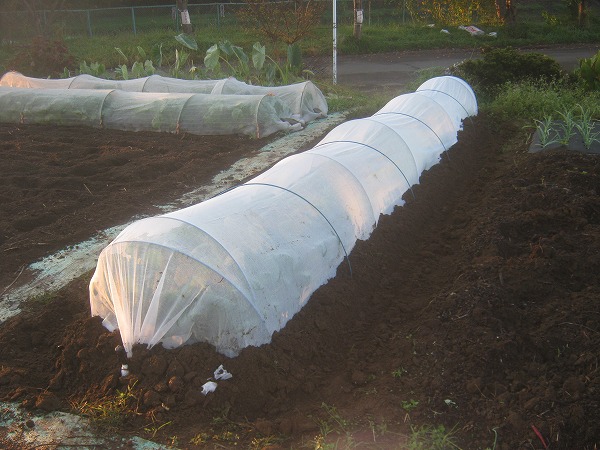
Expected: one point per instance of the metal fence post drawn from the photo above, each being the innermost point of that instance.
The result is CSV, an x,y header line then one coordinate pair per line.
x,y
133,20
89,22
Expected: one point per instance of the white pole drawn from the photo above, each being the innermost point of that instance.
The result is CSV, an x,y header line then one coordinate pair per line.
x,y
334,41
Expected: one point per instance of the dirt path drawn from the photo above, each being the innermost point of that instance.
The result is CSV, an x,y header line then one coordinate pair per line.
x,y
392,71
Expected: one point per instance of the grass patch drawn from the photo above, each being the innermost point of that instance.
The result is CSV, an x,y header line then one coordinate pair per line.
x,y
359,104
529,100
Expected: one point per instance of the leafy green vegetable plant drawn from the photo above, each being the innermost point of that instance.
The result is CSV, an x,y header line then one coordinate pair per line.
x,y
95,69
122,71
138,68
181,58
187,41
231,55
589,71
237,63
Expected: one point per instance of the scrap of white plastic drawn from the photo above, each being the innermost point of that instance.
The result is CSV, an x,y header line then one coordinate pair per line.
x,y
443,30
124,370
472,30
222,374
209,386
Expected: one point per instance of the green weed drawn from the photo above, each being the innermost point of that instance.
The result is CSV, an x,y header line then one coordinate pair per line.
x,y
377,429
409,405
109,412
153,429
264,442
398,373
335,417
431,438
334,431
200,438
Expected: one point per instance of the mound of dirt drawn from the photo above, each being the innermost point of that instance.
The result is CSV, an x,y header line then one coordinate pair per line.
x,y
472,307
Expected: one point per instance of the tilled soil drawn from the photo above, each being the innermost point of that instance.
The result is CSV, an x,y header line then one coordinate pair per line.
x,y
473,307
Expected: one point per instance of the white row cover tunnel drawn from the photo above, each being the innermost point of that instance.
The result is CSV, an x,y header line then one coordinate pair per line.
x,y
304,100
202,114
234,269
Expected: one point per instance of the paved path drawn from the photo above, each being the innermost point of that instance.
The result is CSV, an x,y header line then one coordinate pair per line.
x,y
394,70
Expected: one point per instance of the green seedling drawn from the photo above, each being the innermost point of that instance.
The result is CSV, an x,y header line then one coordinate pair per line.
x,y
567,126
546,131
409,405
495,440
399,372
586,126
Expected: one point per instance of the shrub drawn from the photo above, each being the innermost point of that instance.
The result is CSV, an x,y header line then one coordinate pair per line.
x,y
42,58
502,65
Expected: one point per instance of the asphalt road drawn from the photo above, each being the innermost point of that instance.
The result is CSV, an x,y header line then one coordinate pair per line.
x,y
391,71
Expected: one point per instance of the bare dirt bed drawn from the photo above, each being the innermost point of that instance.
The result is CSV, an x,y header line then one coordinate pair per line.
x,y
474,306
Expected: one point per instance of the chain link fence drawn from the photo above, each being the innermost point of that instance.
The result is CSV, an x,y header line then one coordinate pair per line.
x,y
20,25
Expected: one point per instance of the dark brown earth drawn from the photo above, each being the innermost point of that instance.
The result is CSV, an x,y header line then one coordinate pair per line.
x,y
473,307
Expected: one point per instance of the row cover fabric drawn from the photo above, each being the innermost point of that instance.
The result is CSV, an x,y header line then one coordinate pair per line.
x,y
203,114
305,100
234,269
